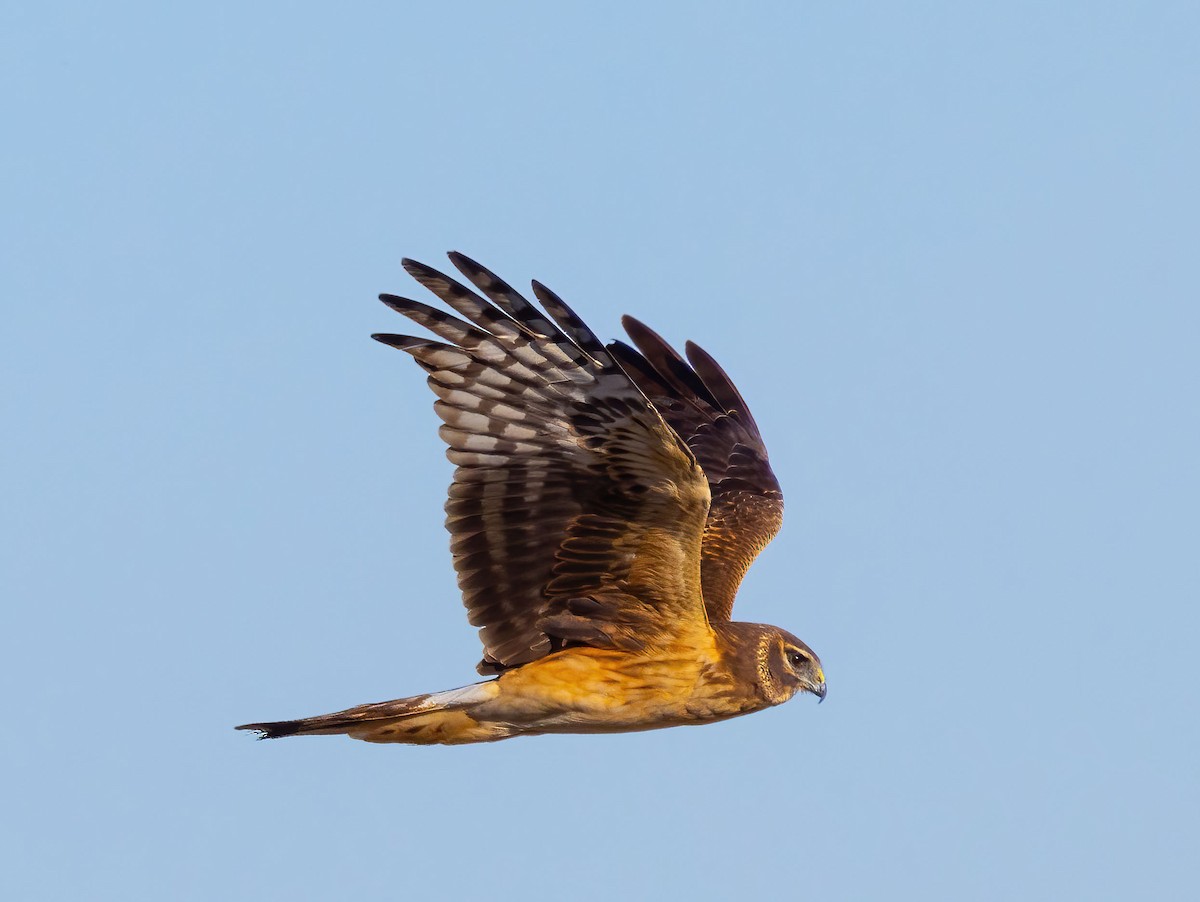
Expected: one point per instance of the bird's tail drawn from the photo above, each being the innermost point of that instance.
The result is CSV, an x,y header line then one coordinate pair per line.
x,y
437,717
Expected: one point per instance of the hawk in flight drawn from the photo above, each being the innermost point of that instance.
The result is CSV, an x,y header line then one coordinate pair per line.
x,y
607,501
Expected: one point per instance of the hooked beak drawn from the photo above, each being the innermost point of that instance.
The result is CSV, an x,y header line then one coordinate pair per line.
x,y
819,691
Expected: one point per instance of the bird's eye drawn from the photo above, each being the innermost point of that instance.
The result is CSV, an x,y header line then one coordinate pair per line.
x,y
797,658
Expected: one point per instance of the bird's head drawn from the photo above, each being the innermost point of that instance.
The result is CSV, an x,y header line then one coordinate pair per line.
x,y
787,666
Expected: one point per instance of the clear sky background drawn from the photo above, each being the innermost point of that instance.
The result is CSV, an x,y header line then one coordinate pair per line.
x,y
948,250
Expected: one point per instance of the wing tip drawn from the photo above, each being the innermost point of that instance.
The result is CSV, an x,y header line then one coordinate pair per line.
x,y
400,342
396,302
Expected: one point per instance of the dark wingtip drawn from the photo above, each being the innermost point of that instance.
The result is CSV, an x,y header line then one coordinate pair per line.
x,y
672,369
402,342
422,272
473,269
642,334
714,377
397,303
631,322
700,358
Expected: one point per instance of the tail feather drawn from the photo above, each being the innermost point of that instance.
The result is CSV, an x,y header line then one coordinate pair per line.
x,y
342,721
364,720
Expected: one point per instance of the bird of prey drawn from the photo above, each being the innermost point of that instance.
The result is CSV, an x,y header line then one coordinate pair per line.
x,y
607,501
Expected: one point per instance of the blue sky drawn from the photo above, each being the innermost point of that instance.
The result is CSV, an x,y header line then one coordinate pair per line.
x,y
947,250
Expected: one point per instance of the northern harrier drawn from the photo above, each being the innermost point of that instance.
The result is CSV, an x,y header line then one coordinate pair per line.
x,y
606,504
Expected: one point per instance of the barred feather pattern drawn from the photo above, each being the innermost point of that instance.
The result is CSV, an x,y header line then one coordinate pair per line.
x,y
700,402
576,514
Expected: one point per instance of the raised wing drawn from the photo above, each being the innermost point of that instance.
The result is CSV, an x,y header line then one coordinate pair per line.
x,y
576,514
703,406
